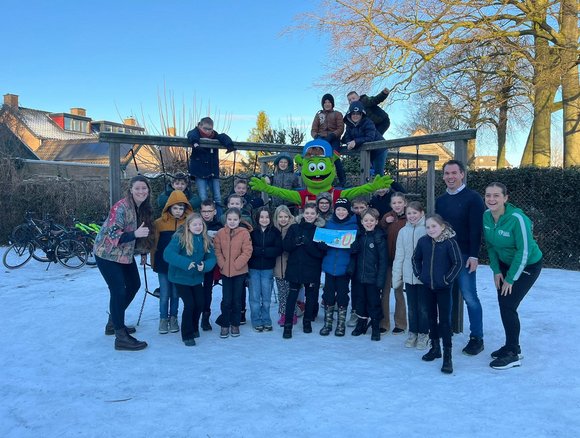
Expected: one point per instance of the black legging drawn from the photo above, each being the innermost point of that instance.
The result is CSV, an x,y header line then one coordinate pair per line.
x,y
508,304
193,301
311,292
439,305
124,283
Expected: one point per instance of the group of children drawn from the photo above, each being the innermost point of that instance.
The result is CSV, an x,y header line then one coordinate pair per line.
x,y
255,247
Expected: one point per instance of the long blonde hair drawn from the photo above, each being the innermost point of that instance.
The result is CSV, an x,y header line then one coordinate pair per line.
x,y
186,236
285,209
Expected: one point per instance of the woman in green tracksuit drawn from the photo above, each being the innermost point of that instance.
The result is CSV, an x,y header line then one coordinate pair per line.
x,y
516,262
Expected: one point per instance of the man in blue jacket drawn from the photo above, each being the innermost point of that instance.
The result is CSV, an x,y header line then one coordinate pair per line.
x,y
463,208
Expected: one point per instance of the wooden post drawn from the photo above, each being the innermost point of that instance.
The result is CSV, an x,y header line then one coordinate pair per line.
x,y
430,187
114,172
365,164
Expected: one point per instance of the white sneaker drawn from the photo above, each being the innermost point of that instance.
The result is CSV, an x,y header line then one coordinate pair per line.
x,y
411,340
423,341
353,320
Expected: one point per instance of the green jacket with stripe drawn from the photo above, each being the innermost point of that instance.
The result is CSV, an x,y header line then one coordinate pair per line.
x,y
510,241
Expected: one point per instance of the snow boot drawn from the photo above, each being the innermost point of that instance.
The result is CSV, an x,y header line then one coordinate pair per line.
x,y
124,341
306,326
287,331
361,327
376,330
341,322
205,325
434,352
328,319
447,367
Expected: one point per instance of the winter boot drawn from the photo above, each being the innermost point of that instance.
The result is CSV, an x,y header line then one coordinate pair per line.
x,y
376,330
434,352
328,318
110,328
163,326
341,322
124,341
287,331
306,326
205,325
447,367
173,324
361,327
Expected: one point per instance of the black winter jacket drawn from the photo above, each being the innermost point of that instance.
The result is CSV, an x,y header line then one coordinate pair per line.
x,y
304,256
363,132
204,163
437,263
267,246
368,261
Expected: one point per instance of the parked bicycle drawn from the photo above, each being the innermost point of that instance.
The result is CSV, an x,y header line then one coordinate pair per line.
x,y
87,232
46,242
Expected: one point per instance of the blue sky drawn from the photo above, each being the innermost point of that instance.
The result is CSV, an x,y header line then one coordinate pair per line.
x,y
115,58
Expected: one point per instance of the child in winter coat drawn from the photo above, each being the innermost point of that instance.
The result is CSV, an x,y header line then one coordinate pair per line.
x,y
176,210
324,205
368,269
209,214
233,249
284,177
304,266
190,255
403,273
359,130
334,265
437,262
283,219
180,181
391,223
266,247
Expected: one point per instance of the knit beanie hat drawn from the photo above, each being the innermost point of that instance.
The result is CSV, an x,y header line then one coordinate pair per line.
x,y
342,202
356,107
329,97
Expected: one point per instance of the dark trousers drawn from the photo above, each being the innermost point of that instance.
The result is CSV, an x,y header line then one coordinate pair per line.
x,y
192,297
232,289
311,292
508,305
417,308
207,291
439,301
335,290
123,282
368,301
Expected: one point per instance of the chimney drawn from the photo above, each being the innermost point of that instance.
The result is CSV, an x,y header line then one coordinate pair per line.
x,y
11,100
171,132
78,112
130,121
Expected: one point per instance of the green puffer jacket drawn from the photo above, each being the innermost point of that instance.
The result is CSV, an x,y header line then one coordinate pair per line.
x,y
510,241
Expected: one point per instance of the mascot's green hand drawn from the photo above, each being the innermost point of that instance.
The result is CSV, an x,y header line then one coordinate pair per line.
x,y
260,185
381,182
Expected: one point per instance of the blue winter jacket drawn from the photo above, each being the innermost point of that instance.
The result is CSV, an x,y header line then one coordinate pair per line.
x,y
178,260
437,262
204,162
336,260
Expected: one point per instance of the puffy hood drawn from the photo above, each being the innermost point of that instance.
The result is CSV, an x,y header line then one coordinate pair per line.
x,y
290,163
176,197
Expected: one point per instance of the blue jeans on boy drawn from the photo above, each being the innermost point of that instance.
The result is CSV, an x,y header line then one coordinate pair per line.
x,y
378,158
467,283
261,281
214,185
168,297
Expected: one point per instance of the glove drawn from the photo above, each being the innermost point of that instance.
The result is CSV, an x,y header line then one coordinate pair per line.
x,y
230,148
322,246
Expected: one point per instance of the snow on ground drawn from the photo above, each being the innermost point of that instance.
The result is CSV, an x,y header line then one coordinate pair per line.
x,y
61,377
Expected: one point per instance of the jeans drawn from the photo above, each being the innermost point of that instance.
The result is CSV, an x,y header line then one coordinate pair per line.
x,y
202,186
192,297
417,308
261,282
468,285
168,297
378,158
124,282
439,303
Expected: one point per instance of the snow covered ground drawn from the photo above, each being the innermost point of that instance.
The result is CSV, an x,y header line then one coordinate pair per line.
x,y
61,377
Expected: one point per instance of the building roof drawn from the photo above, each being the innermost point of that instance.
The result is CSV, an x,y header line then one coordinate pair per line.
x,y
44,128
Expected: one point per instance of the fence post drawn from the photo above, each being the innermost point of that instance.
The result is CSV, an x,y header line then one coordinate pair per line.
x,y
430,187
365,164
114,172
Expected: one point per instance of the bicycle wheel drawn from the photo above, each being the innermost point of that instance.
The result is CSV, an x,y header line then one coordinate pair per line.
x,y
89,243
17,255
41,249
71,253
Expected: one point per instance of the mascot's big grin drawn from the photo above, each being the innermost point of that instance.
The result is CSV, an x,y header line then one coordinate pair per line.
x,y
318,177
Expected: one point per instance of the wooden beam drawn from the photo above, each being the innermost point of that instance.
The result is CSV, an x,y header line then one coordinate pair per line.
x,y
114,172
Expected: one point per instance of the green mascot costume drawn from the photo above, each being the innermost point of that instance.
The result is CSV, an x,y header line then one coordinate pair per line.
x,y
318,173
